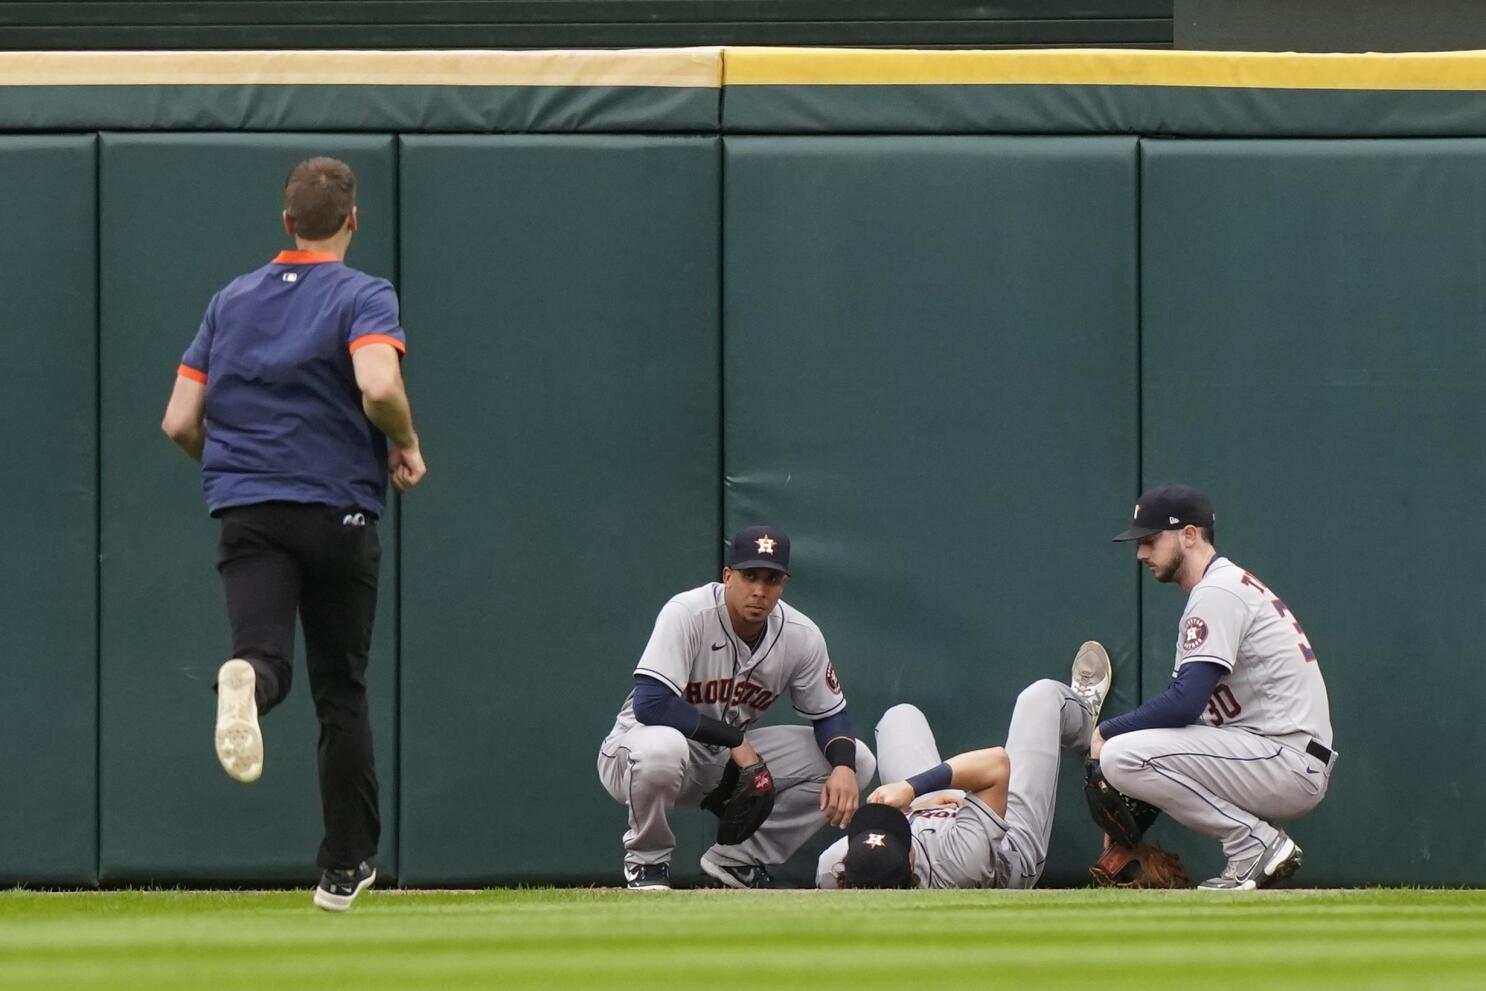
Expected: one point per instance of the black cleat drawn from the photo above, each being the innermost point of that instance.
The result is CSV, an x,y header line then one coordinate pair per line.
x,y
737,875
647,877
339,888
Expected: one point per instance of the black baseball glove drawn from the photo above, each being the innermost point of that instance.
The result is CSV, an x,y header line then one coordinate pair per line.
x,y
1122,818
741,801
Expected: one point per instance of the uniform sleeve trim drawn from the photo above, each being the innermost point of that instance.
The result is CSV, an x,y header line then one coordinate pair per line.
x,y
823,713
366,339
660,677
1222,662
186,371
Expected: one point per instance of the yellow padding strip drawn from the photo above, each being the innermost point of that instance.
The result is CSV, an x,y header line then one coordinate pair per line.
x,y
673,67
1104,67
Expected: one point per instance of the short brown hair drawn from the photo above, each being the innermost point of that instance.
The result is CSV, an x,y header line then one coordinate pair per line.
x,y
318,197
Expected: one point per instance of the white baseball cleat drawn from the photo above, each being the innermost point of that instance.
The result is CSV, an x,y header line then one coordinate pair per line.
x,y
1092,675
239,741
1278,861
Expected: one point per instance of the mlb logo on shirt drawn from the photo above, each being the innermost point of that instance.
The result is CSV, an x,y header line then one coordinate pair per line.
x,y
291,276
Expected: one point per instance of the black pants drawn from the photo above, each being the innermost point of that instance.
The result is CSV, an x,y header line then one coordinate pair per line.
x,y
276,558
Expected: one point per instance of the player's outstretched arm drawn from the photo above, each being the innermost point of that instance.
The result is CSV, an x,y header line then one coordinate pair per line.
x,y
983,773
1181,704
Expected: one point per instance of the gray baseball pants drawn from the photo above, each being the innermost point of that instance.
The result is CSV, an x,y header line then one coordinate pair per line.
x,y
1048,717
653,769
1223,783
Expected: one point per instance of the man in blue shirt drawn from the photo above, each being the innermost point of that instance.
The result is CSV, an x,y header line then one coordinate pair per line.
x,y
291,397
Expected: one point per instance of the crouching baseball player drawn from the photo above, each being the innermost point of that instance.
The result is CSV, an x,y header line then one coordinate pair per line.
x,y
718,658
980,819
1242,735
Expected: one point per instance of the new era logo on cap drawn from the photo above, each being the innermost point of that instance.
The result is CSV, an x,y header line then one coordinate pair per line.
x,y
1168,507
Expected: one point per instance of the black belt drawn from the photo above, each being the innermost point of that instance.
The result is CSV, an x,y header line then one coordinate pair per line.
x,y
1319,752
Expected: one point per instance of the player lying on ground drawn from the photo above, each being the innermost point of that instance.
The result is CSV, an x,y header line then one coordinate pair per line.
x,y
1243,733
980,819
718,657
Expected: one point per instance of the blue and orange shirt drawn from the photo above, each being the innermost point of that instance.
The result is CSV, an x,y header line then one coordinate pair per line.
x,y
284,420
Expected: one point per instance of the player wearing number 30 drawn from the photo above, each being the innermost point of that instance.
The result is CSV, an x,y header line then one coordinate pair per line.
x,y
1242,735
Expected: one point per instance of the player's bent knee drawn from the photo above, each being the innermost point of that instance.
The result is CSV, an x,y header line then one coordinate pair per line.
x,y
899,714
658,751
1121,761
1045,690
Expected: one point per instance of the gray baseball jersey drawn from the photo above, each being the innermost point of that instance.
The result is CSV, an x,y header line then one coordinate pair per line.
x,y
959,847
970,846
954,846
1273,686
694,650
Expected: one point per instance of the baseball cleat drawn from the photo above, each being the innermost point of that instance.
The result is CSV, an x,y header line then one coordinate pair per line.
x,y
239,741
647,877
1279,860
737,875
1092,675
339,888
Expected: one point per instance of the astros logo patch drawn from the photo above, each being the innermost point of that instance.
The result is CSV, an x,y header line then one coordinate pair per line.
x,y
1194,634
766,545
875,839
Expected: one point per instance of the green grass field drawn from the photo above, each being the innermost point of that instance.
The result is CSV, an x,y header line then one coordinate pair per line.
x,y
701,940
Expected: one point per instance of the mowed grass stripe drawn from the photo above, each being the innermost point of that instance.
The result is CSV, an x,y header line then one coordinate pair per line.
x,y
1349,941
642,934
825,967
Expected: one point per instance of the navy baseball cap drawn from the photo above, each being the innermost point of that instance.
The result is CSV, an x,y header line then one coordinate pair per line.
x,y
759,547
877,845
1168,507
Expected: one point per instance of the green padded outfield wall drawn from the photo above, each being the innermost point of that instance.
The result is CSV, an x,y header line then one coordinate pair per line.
x,y
651,296
565,293
48,570
181,215
1313,352
930,365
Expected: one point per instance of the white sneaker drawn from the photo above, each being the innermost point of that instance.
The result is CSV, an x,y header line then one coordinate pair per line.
x,y
1092,675
239,741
